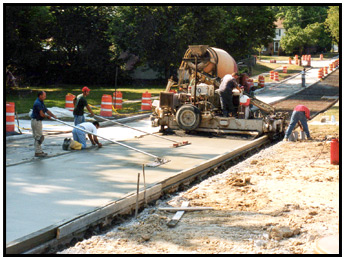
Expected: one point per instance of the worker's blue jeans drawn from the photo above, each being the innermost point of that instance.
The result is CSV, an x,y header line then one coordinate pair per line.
x,y
78,119
298,116
79,136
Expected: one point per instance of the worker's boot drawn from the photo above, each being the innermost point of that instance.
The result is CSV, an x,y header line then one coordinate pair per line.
x,y
66,143
42,154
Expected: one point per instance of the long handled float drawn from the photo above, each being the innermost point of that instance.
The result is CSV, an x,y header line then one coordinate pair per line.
x,y
176,143
157,162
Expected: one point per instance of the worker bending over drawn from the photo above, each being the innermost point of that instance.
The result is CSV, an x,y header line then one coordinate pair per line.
x,y
299,115
80,103
80,138
225,89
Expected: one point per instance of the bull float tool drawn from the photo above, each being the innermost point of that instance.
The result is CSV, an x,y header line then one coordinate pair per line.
x,y
176,143
157,162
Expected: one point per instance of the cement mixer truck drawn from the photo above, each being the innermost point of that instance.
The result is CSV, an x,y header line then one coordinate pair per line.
x,y
193,103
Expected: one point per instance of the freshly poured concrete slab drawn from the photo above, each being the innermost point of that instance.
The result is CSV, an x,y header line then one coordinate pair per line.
x,y
50,190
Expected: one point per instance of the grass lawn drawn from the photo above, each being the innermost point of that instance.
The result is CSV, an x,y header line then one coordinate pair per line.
x,y
262,67
275,57
56,96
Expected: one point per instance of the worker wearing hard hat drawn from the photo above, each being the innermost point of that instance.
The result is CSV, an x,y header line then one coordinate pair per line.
x,y
79,138
299,115
227,84
80,103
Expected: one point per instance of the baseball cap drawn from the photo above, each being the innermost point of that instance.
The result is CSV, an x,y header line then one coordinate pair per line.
x,y
85,88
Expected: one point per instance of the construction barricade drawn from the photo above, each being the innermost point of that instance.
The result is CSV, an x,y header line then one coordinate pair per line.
x,y
321,56
261,81
146,102
308,60
69,102
10,107
326,70
117,100
106,109
284,69
276,76
271,74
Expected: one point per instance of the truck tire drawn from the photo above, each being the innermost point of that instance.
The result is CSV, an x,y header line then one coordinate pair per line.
x,y
188,117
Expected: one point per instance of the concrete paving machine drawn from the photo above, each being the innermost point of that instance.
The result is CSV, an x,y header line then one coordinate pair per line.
x,y
193,103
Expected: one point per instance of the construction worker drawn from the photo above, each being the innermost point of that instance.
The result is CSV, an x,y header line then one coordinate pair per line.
x,y
225,90
303,77
299,115
80,103
39,111
79,135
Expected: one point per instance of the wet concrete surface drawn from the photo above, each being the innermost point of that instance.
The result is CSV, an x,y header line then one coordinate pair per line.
x,y
59,188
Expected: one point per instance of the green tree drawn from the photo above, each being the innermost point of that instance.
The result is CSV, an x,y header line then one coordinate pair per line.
x,y
80,46
304,17
160,35
332,22
26,28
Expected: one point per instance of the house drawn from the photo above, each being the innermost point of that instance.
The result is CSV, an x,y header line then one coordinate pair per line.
x,y
274,47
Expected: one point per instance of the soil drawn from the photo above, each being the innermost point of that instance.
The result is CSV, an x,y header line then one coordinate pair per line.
x,y
281,200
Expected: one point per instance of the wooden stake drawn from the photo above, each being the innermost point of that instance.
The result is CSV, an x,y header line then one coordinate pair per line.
x,y
136,204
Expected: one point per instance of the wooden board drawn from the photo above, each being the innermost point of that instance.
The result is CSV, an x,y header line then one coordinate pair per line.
x,y
178,215
185,209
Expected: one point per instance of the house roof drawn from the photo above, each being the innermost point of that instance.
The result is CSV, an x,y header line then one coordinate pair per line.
x,y
279,24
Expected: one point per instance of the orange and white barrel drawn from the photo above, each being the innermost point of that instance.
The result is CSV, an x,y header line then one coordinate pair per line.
x,y
146,102
69,102
331,67
309,60
321,56
117,100
290,61
284,69
106,106
296,61
325,69
10,106
261,81
271,74
276,76
319,75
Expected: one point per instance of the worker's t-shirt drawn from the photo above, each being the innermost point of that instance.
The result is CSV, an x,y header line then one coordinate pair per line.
x,y
38,106
227,85
89,127
302,108
79,105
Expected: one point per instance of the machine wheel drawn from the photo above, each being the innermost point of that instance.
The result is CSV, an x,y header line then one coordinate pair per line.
x,y
188,117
